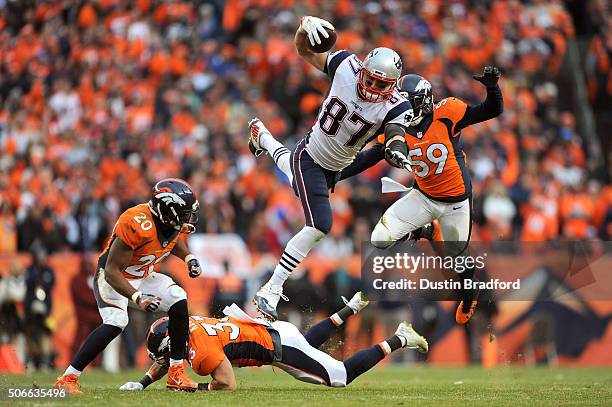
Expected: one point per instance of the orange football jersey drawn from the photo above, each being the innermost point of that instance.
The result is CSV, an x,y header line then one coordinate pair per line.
x,y
137,229
211,340
437,154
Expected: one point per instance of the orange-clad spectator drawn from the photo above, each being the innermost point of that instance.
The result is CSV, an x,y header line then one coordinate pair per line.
x,y
232,14
350,40
577,211
178,60
87,16
603,206
184,121
8,231
139,117
159,63
535,227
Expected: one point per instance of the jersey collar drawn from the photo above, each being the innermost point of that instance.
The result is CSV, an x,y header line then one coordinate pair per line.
x,y
420,129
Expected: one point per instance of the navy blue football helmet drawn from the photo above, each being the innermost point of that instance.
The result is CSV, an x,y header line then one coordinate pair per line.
x,y
158,341
175,205
418,91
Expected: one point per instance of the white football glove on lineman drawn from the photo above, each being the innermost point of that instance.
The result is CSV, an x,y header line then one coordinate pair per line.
x,y
131,386
312,26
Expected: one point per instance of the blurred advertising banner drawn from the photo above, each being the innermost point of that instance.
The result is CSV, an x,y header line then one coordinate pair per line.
x,y
216,252
508,271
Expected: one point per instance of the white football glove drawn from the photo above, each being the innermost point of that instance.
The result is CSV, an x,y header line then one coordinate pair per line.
x,y
131,386
312,26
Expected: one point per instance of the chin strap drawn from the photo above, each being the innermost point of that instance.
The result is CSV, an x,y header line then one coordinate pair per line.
x,y
187,228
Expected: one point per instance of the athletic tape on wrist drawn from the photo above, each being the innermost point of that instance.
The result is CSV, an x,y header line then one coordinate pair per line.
x,y
135,296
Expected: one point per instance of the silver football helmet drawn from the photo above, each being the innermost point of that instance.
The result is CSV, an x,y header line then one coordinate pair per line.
x,y
381,70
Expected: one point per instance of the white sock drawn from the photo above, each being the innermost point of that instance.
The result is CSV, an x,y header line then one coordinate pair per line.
x,y
295,251
279,153
72,370
174,362
385,347
336,319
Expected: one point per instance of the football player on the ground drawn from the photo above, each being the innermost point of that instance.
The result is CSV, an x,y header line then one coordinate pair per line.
x,y
442,188
143,236
215,345
362,102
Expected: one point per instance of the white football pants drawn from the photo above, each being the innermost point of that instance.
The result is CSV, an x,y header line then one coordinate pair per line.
x,y
415,210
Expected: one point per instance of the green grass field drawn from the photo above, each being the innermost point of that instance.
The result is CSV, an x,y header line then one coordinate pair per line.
x,y
393,386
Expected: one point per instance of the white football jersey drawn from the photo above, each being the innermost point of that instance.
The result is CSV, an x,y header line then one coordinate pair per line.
x,y
346,122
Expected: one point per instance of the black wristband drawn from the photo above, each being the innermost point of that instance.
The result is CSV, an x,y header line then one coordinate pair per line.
x,y
398,145
146,380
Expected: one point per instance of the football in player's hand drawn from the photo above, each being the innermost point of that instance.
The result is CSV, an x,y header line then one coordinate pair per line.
x,y
326,43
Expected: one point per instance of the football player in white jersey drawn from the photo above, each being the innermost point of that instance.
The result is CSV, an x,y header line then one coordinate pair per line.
x,y
362,102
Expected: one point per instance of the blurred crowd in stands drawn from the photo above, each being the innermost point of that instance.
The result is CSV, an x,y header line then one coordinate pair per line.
x,y
99,99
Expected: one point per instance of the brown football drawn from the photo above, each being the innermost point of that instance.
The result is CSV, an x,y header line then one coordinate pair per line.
x,y
326,43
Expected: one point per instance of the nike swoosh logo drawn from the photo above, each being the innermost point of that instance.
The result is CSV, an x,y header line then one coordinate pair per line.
x,y
459,207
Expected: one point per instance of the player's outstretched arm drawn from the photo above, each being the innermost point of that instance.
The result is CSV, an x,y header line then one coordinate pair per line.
x,y
181,251
119,257
223,377
310,31
396,150
492,106
156,372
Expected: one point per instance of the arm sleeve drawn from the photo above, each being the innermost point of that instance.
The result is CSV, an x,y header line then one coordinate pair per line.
x,y
334,59
363,160
129,232
204,364
391,131
492,107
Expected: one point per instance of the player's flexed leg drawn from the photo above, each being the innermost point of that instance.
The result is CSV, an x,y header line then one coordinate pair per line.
x,y
143,236
362,103
442,188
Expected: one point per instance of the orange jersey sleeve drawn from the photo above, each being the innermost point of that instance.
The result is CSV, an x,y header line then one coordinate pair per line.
x,y
135,227
205,352
451,108
211,340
